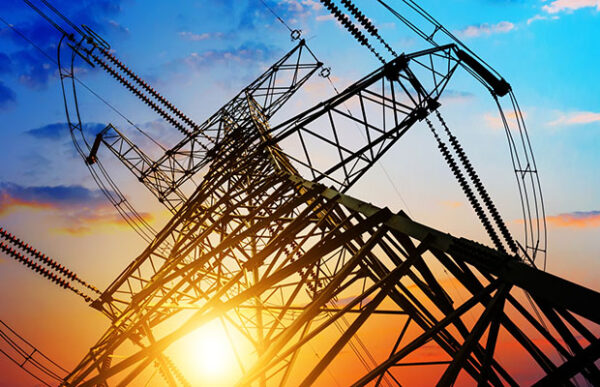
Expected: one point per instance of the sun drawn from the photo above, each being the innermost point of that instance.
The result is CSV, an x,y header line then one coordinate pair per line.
x,y
212,350
208,356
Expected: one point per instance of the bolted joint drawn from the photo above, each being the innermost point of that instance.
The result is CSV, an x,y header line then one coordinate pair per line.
x,y
393,68
433,104
421,113
97,304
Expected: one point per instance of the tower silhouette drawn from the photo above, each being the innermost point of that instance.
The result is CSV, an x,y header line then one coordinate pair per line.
x,y
270,244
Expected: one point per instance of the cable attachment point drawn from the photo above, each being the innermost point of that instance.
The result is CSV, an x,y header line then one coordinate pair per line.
x,y
295,34
325,72
92,37
433,104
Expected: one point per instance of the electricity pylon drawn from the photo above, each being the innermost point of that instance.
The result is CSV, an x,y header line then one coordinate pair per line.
x,y
289,262
270,244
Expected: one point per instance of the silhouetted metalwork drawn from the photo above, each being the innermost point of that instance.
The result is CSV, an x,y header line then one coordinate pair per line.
x,y
248,247
270,244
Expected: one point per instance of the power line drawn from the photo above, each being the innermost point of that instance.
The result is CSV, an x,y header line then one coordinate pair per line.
x,y
36,9
112,107
56,11
276,15
24,354
387,175
12,27
122,200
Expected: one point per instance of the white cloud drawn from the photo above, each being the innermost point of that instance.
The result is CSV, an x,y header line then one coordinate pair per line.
x,y
536,18
315,5
570,5
455,96
118,27
325,17
199,37
486,29
576,118
540,17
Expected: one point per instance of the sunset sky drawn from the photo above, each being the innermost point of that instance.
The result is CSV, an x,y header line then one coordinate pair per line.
x,y
199,54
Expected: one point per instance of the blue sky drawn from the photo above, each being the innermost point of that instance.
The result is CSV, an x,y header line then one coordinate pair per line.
x,y
200,53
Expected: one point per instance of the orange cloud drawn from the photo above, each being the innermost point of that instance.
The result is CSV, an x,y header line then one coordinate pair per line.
x,y
9,204
73,209
494,121
82,223
451,204
578,219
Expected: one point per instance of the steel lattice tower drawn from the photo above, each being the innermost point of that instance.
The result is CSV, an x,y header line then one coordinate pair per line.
x,y
270,244
273,253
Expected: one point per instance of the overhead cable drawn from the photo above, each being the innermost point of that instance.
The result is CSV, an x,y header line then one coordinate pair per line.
x,y
29,358
43,265
345,21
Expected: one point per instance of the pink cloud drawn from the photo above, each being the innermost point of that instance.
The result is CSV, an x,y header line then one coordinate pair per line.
x,y
570,5
576,118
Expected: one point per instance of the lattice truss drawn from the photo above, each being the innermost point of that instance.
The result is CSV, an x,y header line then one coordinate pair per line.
x,y
337,141
287,261
166,176
322,287
295,267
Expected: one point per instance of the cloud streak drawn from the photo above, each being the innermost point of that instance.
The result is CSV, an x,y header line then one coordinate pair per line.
x,y
456,96
60,130
570,5
73,209
577,219
485,29
47,196
494,120
540,17
576,118
118,27
247,53
194,37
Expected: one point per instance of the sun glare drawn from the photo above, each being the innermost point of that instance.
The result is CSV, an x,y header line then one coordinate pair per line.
x,y
211,348
209,356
